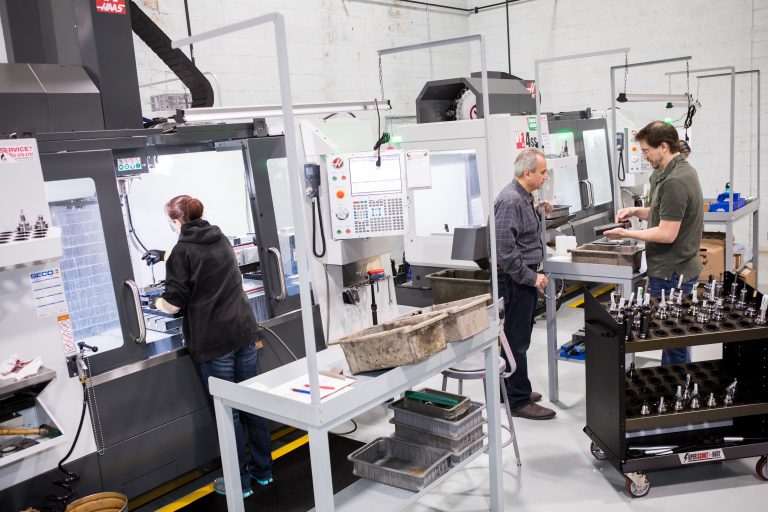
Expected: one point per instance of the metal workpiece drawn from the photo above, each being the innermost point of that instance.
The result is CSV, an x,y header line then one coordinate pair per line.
x,y
702,316
24,226
662,407
679,400
645,324
732,297
719,312
645,410
711,401
741,304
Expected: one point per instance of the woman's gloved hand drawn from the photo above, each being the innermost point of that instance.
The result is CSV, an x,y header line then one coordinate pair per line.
x,y
153,256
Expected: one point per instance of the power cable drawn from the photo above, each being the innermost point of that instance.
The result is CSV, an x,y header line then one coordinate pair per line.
x,y
354,428
70,476
316,206
273,333
132,231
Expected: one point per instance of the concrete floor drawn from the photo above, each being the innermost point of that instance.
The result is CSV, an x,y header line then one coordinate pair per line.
x,y
558,472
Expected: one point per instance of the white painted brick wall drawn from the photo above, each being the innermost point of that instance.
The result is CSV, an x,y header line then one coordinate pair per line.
x,y
332,49
333,43
712,32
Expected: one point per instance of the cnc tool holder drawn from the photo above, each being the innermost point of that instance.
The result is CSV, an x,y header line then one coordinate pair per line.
x,y
623,416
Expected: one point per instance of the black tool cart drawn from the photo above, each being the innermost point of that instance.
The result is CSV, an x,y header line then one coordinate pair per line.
x,y
728,418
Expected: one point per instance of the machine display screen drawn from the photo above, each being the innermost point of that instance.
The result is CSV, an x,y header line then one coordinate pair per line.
x,y
367,179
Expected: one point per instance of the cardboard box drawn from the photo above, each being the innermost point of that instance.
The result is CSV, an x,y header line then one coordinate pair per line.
x,y
749,276
712,255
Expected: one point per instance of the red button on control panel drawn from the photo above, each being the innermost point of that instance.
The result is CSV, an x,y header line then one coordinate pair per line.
x,y
340,194
343,177
349,231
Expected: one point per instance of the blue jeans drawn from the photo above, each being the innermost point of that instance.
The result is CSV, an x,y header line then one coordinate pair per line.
x,y
519,307
655,285
237,366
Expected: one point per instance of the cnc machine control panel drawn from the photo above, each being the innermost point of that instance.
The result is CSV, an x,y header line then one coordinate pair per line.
x,y
367,200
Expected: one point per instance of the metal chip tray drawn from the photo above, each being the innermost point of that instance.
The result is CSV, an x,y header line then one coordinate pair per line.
x,y
399,463
396,343
466,317
622,255
436,410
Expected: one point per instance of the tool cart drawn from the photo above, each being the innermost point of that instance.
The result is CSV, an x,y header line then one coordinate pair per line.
x,y
666,417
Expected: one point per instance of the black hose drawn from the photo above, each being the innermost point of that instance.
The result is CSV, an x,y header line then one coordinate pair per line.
x,y
621,172
316,206
689,119
71,476
131,229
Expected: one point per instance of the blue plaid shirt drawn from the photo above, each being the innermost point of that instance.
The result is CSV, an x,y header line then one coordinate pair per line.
x,y
518,233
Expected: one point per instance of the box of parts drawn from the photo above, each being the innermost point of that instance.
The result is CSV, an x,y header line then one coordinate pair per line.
x,y
712,255
749,276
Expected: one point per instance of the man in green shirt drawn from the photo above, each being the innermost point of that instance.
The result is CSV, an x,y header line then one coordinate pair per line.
x,y
675,219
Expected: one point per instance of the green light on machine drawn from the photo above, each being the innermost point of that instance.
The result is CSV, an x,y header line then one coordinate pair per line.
x,y
396,139
668,120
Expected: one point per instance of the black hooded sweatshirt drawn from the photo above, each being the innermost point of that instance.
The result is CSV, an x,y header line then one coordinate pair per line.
x,y
203,279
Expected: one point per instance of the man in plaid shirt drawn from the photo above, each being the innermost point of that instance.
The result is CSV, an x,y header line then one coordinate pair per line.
x,y
519,252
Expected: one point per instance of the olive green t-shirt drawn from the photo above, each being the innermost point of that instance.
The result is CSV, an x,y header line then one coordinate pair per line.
x,y
676,195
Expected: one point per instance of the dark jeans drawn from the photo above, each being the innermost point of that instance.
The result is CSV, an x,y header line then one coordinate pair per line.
x,y
655,285
519,306
237,366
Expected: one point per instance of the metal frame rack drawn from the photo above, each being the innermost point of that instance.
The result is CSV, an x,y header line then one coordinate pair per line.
x,y
729,217
255,396
621,276
632,441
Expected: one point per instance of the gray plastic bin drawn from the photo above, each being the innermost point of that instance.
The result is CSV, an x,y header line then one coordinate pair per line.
x,y
456,458
399,463
440,427
414,435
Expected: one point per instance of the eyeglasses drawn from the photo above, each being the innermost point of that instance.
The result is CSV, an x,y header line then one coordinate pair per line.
x,y
646,150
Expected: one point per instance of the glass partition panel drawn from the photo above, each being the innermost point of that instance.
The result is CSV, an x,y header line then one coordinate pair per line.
x,y
277,169
454,198
88,284
561,144
563,185
598,170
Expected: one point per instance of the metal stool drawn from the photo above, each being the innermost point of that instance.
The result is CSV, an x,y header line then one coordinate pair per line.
x,y
474,368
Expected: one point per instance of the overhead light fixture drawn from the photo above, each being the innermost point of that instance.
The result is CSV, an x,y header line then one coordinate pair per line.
x,y
633,97
248,113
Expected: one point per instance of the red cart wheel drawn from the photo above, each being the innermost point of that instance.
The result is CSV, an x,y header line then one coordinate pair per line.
x,y
637,492
597,452
762,468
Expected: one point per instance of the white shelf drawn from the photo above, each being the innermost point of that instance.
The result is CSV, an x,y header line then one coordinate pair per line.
x,y
722,217
31,251
373,496
32,418
372,388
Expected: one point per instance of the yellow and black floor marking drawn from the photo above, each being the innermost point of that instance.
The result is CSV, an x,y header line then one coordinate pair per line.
x,y
208,489
600,291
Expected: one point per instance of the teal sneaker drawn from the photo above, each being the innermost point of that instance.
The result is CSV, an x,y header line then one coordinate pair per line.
x,y
263,483
219,488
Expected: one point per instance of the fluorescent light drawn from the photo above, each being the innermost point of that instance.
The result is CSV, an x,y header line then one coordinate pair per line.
x,y
661,98
218,114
